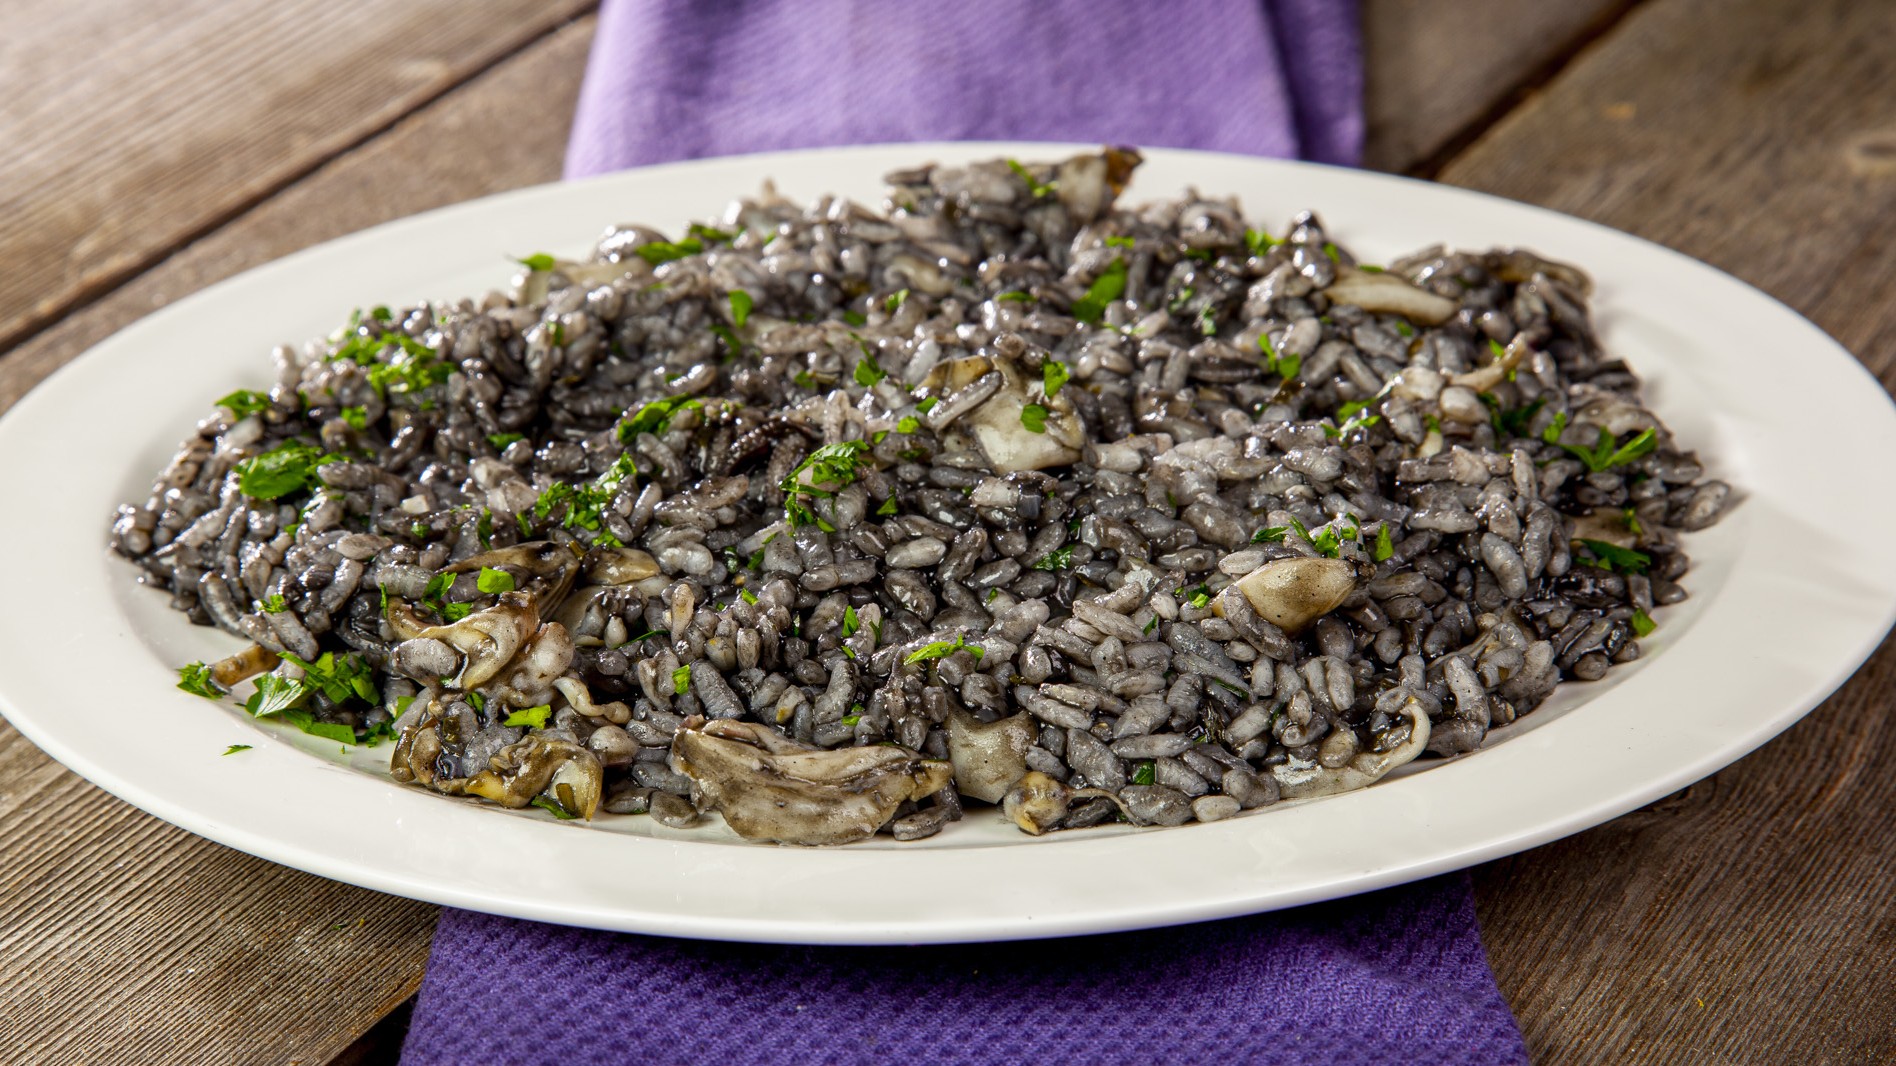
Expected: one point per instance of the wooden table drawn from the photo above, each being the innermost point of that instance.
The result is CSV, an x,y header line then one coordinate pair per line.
x,y
149,149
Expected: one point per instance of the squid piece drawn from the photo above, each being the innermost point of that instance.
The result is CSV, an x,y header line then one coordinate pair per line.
x,y
1037,802
618,566
771,788
1292,593
989,757
487,640
999,425
1384,293
565,773
550,569
1362,770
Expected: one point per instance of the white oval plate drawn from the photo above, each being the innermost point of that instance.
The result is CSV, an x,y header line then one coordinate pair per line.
x,y
1787,599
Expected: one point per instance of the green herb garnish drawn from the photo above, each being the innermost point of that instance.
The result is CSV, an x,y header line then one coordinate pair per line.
x,y
235,748
274,604
1259,241
1643,625
537,261
868,371
1511,423
656,417
533,717
1058,559
356,417
1144,773
1608,556
895,301
1383,548
553,807
1034,417
659,252
243,403
1035,187
1106,288
851,622
195,678
500,441
928,404
941,649
1606,453
681,679
493,582
289,467
1014,297
741,305
832,465
1270,534
1053,374
1120,242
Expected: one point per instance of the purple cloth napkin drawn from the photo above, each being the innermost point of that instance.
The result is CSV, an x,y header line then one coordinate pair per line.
x,y
1391,977
672,79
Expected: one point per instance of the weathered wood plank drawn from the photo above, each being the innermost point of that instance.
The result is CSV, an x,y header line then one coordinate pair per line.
x,y
1434,68
1748,919
123,938
130,128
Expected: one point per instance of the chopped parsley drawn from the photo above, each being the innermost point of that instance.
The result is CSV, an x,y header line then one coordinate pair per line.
x,y
1198,599
895,301
681,679
531,717
275,695
711,235
1329,249
1329,540
1403,327
1144,773
1035,187
1607,453
554,807
494,582
855,318
537,261
887,508
1015,296
289,467
1270,534
656,417
1106,288
356,417
851,622
235,748
741,305
243,403
339,678
659,252
851,719
928,404
274,604
1053,374
1630,516
831,465
454,612
868,371
1284,366
747,595
1034,417
908,424
1383,548
733,345
1609,556
1259,241
1511,423
1058,559
1179,301
941,649
501,441
1643,625
196,679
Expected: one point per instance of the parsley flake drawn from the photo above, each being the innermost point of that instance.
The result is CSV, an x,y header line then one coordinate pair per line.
x,y
1053,374
1643,625
1058,559
941,649
681,679
287,468
1106,288
494,582
1034,417
243,403
196,679
235,748
537,261
741,305
531,717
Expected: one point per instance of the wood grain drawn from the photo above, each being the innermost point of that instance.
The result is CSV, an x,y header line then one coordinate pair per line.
x,y
130,128
123,938
1433,70
1748,919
